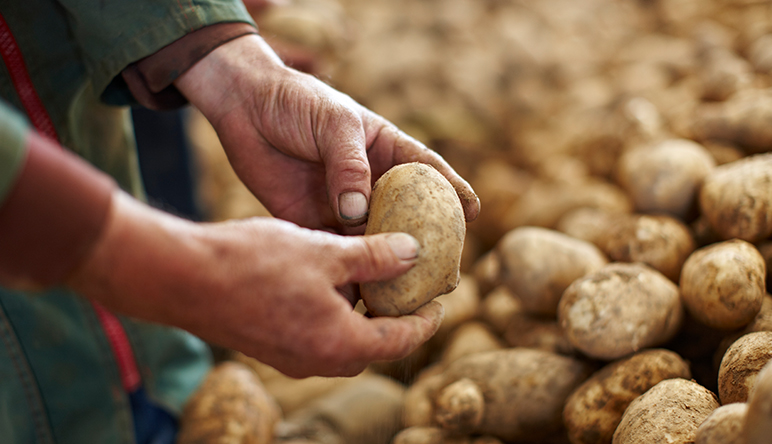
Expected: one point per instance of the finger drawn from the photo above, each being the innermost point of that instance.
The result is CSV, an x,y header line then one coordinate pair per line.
x,y
389,339
377,257
405,149
341,141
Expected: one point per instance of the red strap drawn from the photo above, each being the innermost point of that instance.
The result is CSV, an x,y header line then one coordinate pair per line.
x,y
14,61
12,57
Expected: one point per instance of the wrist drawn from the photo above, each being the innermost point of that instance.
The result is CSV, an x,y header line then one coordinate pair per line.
x,y
215,84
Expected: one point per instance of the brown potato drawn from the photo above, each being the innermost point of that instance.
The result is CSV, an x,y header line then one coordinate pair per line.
x,y
741,364
665,177
470,337
723,426
537,264
416,199
541,333
498,307
230,406
524,390
736,199
620,309
661,242
594,410
722,285
419,397
757,426
460,406
671,412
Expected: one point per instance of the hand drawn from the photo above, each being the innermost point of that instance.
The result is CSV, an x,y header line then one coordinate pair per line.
x,y
309,153
265,287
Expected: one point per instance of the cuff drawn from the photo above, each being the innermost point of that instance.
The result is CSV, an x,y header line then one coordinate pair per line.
x,y
52,216
150,79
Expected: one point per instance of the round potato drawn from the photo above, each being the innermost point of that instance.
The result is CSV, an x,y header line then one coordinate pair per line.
x,y
736,198
460,406
671,412
538,264
723,426
620,309
723,285
416,199
594,410
741,364
665,177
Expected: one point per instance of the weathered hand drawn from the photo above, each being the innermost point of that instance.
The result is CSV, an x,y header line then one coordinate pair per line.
x,y
262,286
307,151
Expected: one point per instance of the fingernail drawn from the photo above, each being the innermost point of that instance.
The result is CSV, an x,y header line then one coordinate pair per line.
x,y
403,245
352,205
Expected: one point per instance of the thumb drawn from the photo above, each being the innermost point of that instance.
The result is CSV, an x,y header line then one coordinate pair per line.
x,y
378,257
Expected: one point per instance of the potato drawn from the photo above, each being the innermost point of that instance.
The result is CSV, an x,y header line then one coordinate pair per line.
x,y
665,177
588,224
486,271
620,309
524,390
230,406
671,412
468,338
736,199
723,426
460,406
537,264
661,242
460,306
541,333
722,285
416,199
498,307
594,410
436,435
419,397
741,364
757,425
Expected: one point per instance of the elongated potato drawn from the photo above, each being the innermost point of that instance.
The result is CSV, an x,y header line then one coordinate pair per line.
x,y
416,199
537,264
594,410
620,309
670,412
757,425
524,390
723,285
741,364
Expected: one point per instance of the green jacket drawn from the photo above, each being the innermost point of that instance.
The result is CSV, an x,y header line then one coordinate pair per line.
x,y
59,382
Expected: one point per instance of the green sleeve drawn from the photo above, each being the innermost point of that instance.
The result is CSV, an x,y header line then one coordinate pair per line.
x,y
115,33
13,138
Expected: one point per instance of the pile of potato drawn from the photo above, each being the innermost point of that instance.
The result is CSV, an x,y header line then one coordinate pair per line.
x,y
614,287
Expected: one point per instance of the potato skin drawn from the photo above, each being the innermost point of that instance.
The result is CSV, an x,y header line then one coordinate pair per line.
x,y
723,426
594,410
538,264
416,199
665,177
741,364
736,199
671,412
230,406
723,285
524,389
757,426
620,309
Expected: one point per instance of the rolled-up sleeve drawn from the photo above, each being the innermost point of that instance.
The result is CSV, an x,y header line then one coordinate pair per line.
x,y
112,34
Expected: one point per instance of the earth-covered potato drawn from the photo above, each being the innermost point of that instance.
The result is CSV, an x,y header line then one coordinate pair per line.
x,y
470,337
594,410
723,426
537,264
757,427
665,177
524,390
416,199
230,406
741,364
460,406
671,412
736,198
620,309
662,242
723,284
